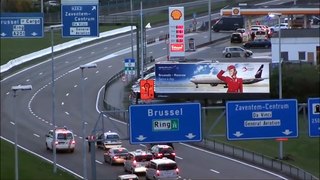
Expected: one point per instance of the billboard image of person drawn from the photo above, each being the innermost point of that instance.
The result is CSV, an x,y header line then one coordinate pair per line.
x,y
235,84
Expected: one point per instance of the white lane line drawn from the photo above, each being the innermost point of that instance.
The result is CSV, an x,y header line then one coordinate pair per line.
x,y
98,162
79,57
164,48
75,85
12,123
110,66
62,103
40,74
28,80
179,157
93,52
67,94
85,78
36,135
214,171
7,93
66,113
150,52
97,72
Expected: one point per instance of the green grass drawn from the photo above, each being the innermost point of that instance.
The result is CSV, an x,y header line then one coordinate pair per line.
x,y
30,166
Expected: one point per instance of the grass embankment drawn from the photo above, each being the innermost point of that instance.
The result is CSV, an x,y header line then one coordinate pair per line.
x,y
30,166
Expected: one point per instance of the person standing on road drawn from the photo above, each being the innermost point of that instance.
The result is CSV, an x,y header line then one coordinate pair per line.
x,y
235,84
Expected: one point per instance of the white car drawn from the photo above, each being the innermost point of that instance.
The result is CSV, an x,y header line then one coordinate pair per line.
x,y
162,169
108,140
276,27
136,161
64,139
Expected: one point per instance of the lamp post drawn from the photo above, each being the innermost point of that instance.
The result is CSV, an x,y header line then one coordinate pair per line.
x,y
52,28
84,155
209,23
15,89
280,72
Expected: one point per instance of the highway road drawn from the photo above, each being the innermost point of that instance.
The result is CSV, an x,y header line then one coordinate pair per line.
x,y
33,110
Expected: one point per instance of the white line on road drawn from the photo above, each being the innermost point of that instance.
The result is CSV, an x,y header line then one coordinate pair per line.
x,y
214,171
36,135
12,123
179,157
98,162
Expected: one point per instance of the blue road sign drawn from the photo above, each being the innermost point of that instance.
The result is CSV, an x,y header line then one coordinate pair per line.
x,y
314,117
156,123
80,20
21,25
262,119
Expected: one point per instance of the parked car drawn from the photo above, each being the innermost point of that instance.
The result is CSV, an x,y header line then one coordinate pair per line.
x,y
244,33
258,43
64,139
236,37
277,27
228,23
236,51
115,155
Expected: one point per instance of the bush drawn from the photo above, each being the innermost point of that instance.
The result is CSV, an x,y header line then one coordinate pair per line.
x,y
299,81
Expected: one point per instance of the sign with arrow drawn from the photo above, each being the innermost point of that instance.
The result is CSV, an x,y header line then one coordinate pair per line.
x,y
80,19
21,25
156,123
262,119
314,117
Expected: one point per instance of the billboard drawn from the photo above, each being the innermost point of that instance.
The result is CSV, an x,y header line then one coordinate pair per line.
x,y
225,78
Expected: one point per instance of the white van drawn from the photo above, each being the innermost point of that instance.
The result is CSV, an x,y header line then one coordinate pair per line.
x,y
162,169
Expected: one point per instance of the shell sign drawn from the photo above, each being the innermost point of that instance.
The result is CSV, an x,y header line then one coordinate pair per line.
x,y
236,11
176,32
176,14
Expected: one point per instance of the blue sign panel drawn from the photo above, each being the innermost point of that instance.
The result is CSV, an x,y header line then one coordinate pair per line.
x,y
314,117
21,25
156,123
265,119
80,20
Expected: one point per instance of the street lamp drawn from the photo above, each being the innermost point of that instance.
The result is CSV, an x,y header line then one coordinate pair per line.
x,y
279,63
280,72
52,28
84,155
15,89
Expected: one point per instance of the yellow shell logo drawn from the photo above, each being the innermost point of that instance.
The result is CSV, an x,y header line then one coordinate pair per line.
x,y
176,14
235,11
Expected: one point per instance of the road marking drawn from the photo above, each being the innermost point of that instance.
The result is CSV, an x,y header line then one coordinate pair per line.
x,y
79,57
8,93
85,78
28,80
62,103
97,72
36,135
40,73
150,52
12,123
93,52
67,94
214,171
66,113
179,157
105,48
164,48
98,162
110,66
119,44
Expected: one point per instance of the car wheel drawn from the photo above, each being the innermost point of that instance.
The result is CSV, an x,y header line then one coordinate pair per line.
x,y
228,55
247,55
71,150
47,147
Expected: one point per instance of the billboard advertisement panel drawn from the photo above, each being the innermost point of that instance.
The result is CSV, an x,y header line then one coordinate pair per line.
x,y
220,78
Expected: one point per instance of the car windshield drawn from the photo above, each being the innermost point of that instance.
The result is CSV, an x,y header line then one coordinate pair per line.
x,y
165,150
169,166
143,158
64,136
120,151
112,137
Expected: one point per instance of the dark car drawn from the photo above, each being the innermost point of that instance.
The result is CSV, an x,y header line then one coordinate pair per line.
x,y
258,43
160,151
228,23
115,155
236,37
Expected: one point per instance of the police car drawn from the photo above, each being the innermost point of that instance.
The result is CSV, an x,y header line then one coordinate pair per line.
x,y
64,139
